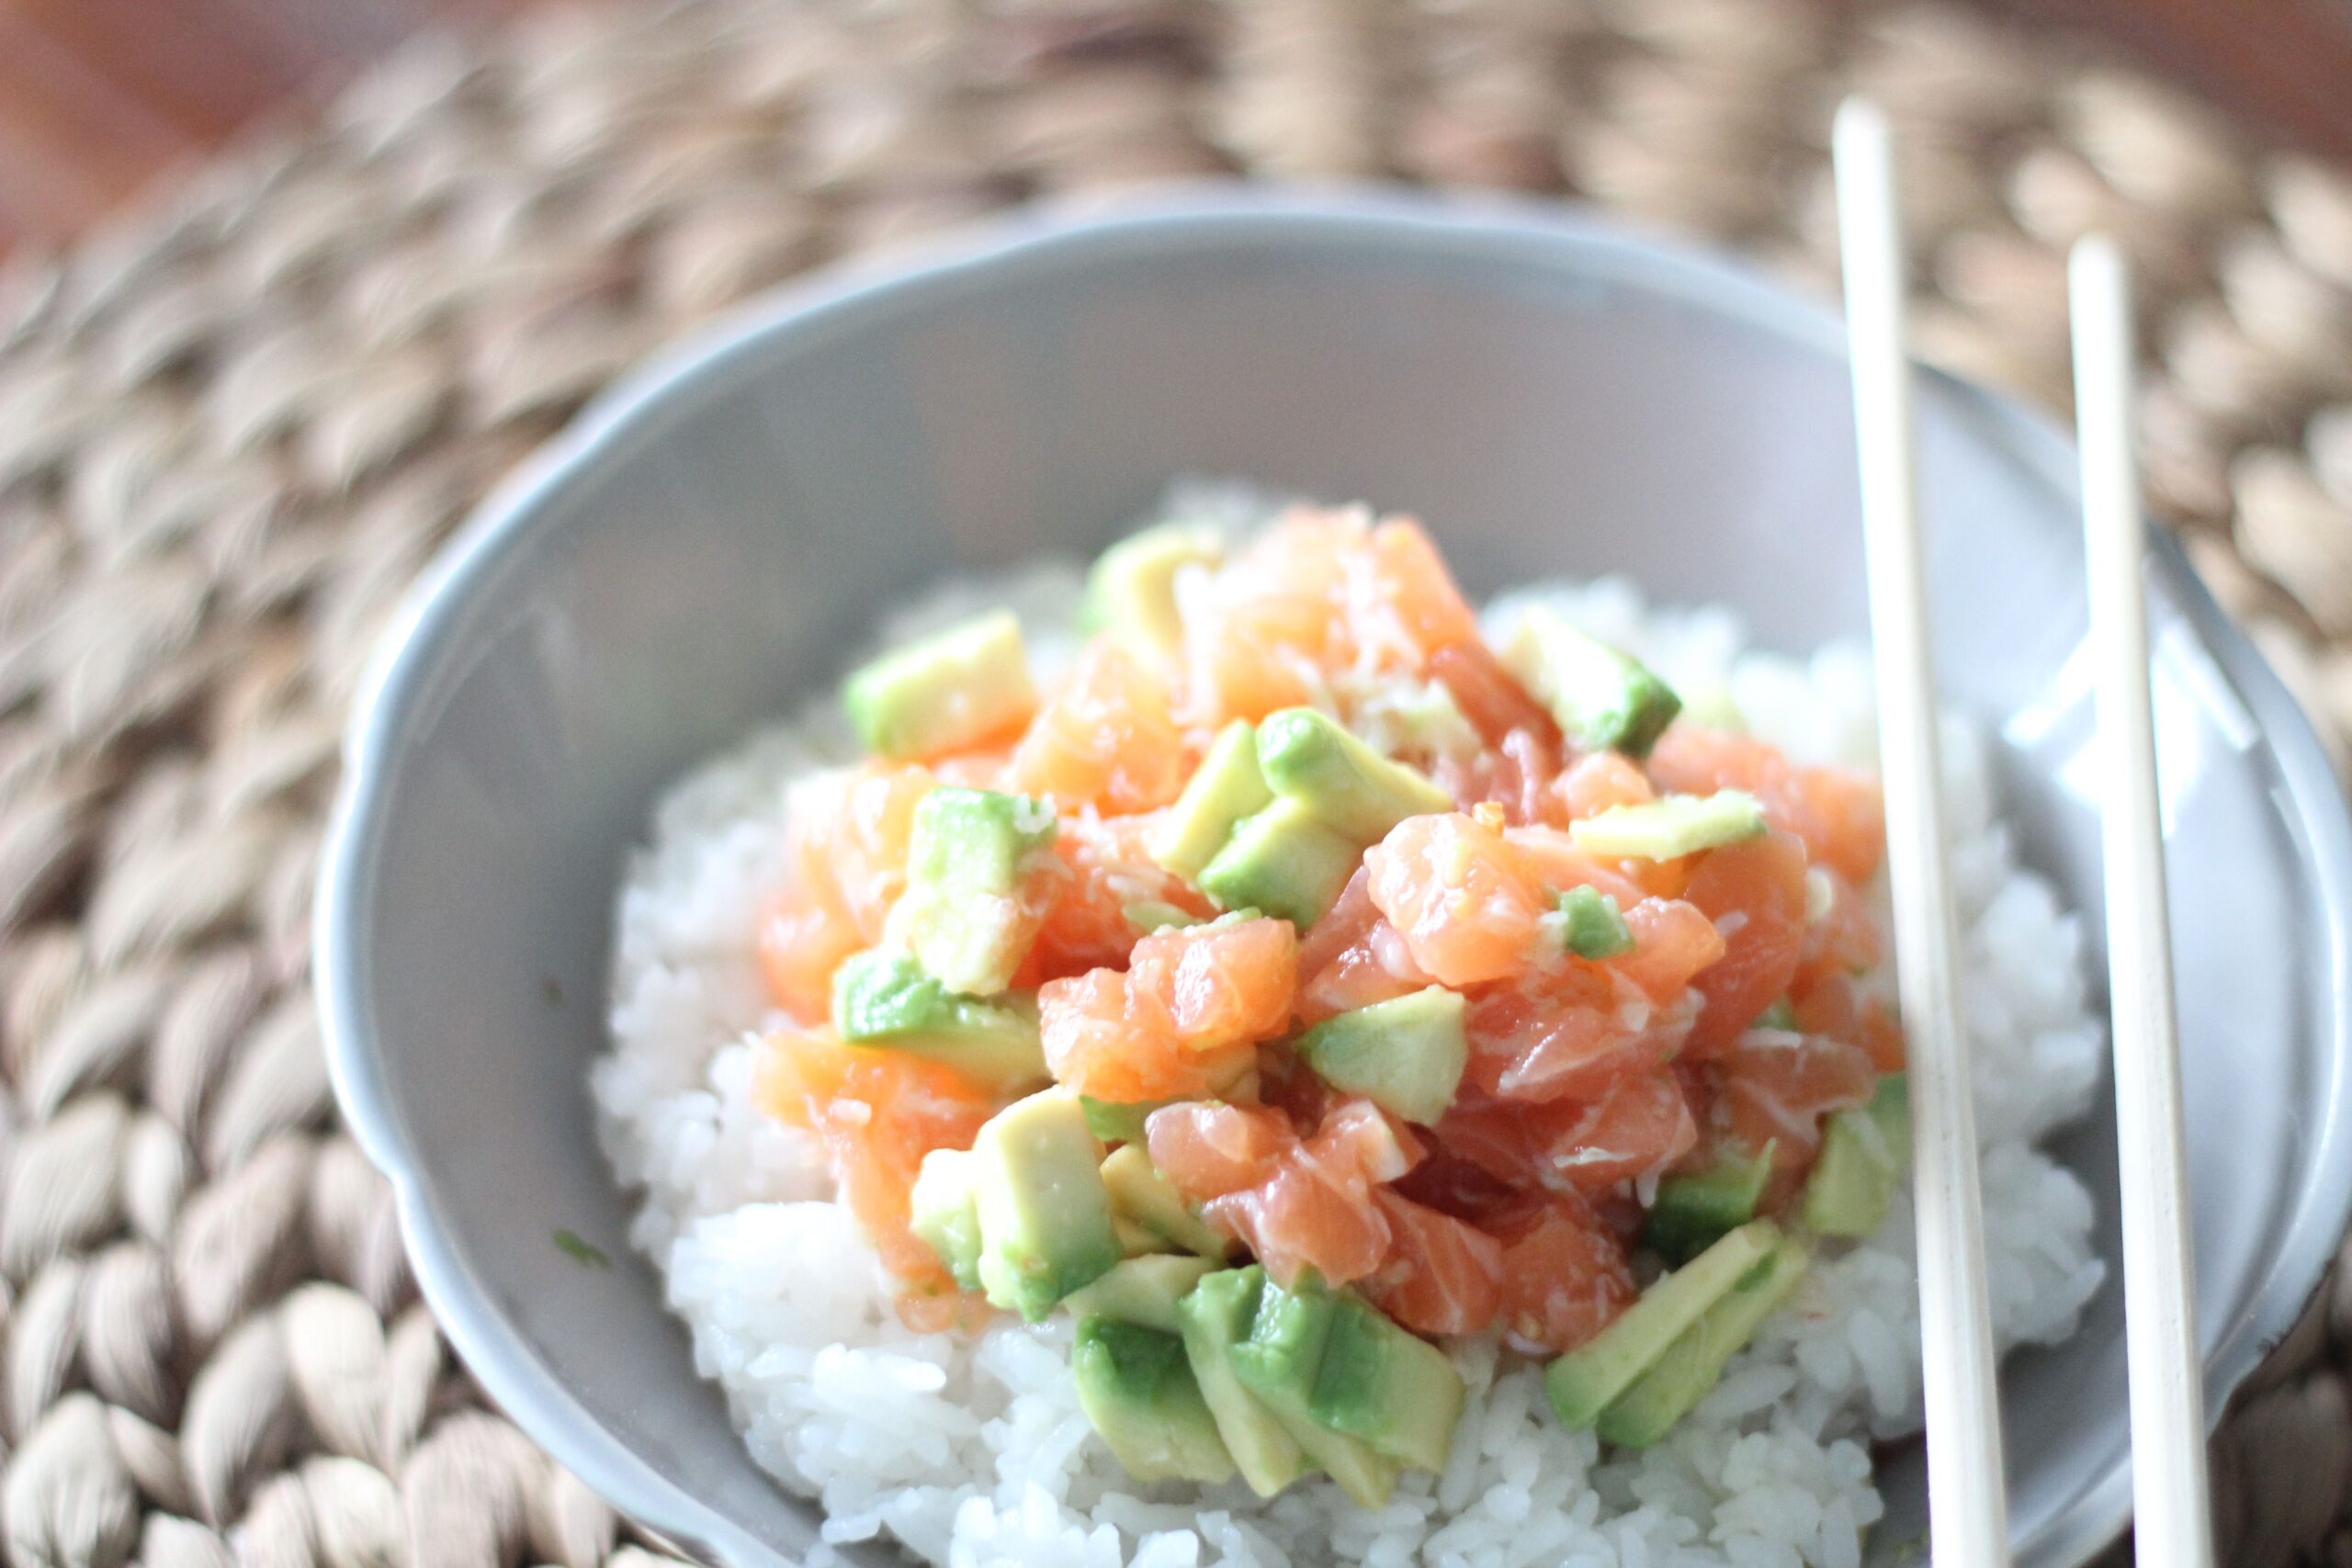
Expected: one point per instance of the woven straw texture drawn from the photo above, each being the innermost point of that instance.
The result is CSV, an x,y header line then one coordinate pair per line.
x,y
233,430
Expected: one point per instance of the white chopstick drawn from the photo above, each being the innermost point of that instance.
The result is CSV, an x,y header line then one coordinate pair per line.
x,y
1967,1490
2171,1502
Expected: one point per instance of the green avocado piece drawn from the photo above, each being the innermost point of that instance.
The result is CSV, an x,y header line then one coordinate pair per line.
x,y
1696,1208
1864,1152
1117,1123
885,999
1150,915
946,1215
1140,1290
1664,830
1404,1055
1279,1363
1603,700
1311,757
1391,1388
1223,790
967,856
1213,1319
1140,1194
1691,1366
1131,592
1589,1378
1591,925
1044,1214
944,692
1138,1388
1283,860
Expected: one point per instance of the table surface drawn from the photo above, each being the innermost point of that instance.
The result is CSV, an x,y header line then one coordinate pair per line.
x,y
99,98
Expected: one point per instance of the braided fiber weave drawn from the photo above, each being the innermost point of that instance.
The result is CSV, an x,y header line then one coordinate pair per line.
x,y
232,431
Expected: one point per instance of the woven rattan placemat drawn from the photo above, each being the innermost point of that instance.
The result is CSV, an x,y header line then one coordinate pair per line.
x,y
232,431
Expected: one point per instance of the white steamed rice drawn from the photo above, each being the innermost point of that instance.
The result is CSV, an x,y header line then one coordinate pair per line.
x,y
975,1451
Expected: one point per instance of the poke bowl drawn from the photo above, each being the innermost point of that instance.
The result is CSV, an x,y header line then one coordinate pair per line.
x,y
624,907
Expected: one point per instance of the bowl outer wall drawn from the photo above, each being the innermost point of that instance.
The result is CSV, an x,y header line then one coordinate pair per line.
x,y
475,601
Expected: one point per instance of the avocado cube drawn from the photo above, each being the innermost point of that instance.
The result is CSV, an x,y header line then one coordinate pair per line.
x,y
1404,1055
1044,1214
1393,1389
947,1214
1311,757
944,692
1213,1318
1690,1367
1141,1289
962,914
1141,1195
1131,592
1223,790
1588,1380
1285,861
1591,925
1135,1385
1668,829
1695,1208
1150,915
1279,1363
1864,1152
1116,1122
885,999
1603,700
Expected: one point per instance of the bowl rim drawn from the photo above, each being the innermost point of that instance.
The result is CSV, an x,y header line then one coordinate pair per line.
x,y
400,670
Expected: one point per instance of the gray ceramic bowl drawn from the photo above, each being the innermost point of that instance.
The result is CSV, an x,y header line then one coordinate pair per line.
x,y
1553,394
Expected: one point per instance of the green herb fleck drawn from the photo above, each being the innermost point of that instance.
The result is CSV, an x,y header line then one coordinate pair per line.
x,y
585,1253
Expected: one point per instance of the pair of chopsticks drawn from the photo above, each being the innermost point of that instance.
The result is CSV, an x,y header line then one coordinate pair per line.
x,y
1968,1506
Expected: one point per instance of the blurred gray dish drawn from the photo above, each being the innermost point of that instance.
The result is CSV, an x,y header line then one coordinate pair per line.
x,y
1554,395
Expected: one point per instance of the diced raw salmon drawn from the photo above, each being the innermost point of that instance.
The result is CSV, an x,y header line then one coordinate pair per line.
x,y
1773,1087
1490,697
1565,1277
1460,896
1755,894
1098,1043
1105,740
1216,986
1442,1275
1838,813
1352,957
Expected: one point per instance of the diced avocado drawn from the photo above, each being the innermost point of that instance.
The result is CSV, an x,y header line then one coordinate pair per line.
x,y
1713,705
1116,1123
947,1216
1781,1015
965,859
1223,790
1150,915
1045,1213
1135,1241
1696,1208
1285,861
1311,757
1863,1153
1213,1319
1393,1389
1279,1363
1131,592
1691,1366
1138,1388
944,692
1591,925
1141,1289
1141,1194
1664,829
1280,1359
1589,1378
1404,1055
1603,700
885,998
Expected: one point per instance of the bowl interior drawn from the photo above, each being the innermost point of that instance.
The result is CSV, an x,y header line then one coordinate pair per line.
x,y
1553,397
